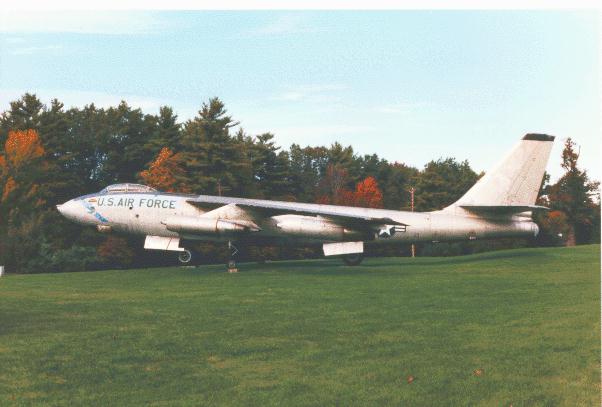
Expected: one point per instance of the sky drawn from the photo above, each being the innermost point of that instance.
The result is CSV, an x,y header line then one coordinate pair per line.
x,y
410,86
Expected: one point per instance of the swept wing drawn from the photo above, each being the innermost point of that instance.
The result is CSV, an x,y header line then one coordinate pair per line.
x,y
339,214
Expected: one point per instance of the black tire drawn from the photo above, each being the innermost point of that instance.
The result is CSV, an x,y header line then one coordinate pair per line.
x,y
185,257
353,259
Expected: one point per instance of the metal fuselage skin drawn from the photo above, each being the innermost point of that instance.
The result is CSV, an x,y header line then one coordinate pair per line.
x,y
146,213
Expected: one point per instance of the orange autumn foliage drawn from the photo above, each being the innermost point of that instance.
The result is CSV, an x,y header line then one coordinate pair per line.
x,y
22,147
366,195
557,221
9,187
165,173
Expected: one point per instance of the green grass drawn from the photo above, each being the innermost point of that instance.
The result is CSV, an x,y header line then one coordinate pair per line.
x,y
310,333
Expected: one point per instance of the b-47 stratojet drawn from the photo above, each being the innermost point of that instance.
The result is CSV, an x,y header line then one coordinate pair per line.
x,y
499,205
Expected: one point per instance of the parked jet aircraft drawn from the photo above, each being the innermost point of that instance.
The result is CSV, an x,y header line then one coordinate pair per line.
x,y
498,205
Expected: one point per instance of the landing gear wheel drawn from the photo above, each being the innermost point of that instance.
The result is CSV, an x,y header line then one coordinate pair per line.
x,y
185,257
353,259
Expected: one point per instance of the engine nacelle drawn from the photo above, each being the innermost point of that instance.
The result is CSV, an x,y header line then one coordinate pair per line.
x,y
200,225
314,228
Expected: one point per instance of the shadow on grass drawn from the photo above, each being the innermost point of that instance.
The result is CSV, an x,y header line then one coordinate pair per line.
x,y
376,265
335,266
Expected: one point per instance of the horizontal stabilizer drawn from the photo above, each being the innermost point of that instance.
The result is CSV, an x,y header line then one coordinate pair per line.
x,y
502,209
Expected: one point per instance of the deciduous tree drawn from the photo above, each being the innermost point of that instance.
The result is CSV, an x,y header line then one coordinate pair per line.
x,y
166,172
21,168
442,182
333,188
367,194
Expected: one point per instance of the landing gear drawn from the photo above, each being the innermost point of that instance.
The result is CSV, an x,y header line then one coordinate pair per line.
x,y
185,257
353,259
233,251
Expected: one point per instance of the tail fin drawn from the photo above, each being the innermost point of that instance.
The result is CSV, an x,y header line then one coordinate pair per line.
x,y
515,181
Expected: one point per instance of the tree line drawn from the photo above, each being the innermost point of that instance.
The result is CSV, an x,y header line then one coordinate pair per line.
x,y
50,154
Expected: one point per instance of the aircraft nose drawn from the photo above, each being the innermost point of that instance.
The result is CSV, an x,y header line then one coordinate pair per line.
x,y
69,210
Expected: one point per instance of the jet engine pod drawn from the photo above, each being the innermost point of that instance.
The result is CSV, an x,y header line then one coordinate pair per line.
x,y
316,228
200,225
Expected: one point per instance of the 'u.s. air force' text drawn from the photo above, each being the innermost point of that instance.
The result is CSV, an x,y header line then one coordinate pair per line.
x,y
131,202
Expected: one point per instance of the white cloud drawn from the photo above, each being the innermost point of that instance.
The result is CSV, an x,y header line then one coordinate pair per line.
x,y
84,22
13,40
34,49
310,93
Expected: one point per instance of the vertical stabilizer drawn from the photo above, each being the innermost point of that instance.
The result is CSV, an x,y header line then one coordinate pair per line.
x,y
516,180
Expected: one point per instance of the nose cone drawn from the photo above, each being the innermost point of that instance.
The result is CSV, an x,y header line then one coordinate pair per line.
x,y
71,210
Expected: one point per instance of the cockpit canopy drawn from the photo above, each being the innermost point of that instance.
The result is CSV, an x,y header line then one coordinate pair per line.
x,y
121,188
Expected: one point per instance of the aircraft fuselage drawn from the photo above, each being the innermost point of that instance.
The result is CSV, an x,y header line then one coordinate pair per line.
x,y
153,213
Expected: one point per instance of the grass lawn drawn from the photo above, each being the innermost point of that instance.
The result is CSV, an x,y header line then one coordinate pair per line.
x,y
518,327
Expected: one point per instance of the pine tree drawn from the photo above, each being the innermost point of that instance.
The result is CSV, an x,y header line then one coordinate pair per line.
x,y
125,150
270,168
211,155
24,114
344,157
306,165
398,179
163,131
573,195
